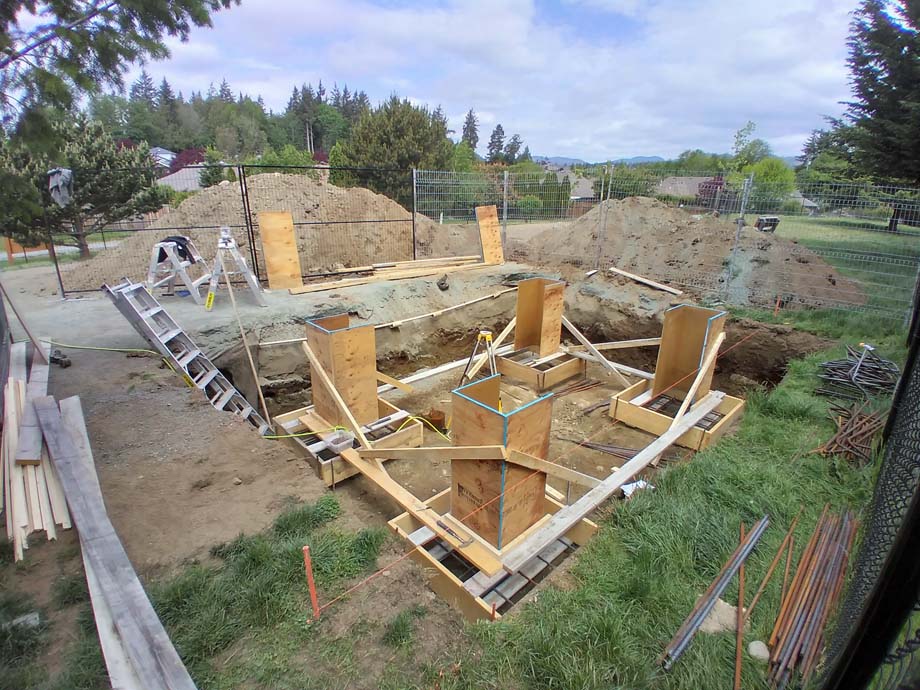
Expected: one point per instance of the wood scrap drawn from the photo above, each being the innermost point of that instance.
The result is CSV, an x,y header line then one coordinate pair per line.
x,y
598,357
398,273
29,450
645,281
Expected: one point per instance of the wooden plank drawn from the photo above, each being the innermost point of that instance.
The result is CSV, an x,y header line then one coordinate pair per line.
x,y
58,503
551,318
645,281
620,344
490,235
687,332
496,452
528,427
528,314
598,357
44,503
279,249
571,368
29,451
616,365
18,368
317,368
476,552
439,312
705,371
151,653
396,383
383,276
553,469
36,344
568,517
440,369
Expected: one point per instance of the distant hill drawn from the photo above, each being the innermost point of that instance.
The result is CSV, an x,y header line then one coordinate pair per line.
x,y
562,160
791,161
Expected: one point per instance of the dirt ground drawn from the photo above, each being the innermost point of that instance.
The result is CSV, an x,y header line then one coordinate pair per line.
x,y
179,477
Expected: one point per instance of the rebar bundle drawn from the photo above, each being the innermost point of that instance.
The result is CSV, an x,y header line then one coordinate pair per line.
x,y
856,435
859,376
798,635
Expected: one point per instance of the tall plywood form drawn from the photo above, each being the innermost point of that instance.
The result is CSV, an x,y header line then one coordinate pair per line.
x,y
687,335
540,303
490,235
498,500
348,354
279,248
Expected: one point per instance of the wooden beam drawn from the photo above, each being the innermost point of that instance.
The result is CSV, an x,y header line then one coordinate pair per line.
x,y
382,275
474,550
645,281
439,312
317,368
570,515
437,453
707,364
40,353
603,361
484,357
29,451
619,344
552,469
396,383
620,367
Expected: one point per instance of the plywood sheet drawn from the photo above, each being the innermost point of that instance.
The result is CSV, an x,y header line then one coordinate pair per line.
x,y
279,249
349,356
540,304
687,333
490,235
529,428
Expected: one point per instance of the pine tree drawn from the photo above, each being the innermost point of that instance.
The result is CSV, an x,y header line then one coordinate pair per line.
x,y
471,130
144,90
512,148
225,93
496,144
526,155
884,63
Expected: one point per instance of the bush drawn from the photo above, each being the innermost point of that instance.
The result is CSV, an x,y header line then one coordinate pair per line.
x,y
792,206
529,207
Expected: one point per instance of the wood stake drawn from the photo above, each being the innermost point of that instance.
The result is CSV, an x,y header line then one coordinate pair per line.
x,y
40,353
308,567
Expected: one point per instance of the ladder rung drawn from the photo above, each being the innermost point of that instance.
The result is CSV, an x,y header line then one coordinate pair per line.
x,y
222,401
147,313
169,335
206,378
186,358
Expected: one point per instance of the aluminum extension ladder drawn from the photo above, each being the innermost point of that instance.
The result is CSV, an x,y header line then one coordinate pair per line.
x,y
158,328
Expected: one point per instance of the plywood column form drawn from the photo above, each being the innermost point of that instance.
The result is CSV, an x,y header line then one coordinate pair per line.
x,y
497,499
540,304
349,355
687,335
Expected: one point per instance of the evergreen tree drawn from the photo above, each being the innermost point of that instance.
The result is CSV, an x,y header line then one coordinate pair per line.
x,y
144,90
471,130
526,155
496,144
225,93
512,148
884,62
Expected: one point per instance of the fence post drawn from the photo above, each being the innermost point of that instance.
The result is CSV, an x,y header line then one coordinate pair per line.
x,y
505,211
730,269
247,219
605,209
414,205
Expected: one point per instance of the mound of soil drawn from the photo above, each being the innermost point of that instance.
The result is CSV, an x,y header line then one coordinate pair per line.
x,y
335,227
648,237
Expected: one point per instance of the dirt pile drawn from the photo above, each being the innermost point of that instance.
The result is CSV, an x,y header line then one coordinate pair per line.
x,y
664,243
335,226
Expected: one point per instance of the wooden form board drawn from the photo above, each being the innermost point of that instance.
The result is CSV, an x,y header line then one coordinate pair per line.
x,y
542,377
490,235
635,415
499,500
447,585
540,304
688,333
29,450
279,248
349,357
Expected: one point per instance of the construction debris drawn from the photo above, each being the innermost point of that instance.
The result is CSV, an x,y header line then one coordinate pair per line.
x,y
859,376
798,634
857,433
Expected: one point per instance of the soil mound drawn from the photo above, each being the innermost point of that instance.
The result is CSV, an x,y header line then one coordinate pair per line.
x,y
335,226
648,237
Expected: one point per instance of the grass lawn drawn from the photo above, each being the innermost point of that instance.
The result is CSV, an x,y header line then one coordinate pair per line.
x,y
238,620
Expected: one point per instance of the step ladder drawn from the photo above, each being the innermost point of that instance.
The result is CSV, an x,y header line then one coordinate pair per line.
x,y
158,328
166,265
228,254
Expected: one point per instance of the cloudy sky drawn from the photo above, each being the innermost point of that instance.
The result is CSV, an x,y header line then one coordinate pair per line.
x,y
592,79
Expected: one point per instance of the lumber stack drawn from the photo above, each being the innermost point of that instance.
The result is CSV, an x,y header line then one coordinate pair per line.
x,y
396,271
138,653
32,498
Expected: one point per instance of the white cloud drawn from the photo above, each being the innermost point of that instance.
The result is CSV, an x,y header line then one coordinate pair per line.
x,y
682,74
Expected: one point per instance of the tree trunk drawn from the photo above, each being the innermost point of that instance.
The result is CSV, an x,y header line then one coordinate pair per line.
x,y
79,233
895,217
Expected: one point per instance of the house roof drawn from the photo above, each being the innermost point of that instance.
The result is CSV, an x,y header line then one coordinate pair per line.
x,y
681,186
183,180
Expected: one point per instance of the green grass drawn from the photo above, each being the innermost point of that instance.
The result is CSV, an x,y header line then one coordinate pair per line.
x,y
70,589
639,577
400,631
20,646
